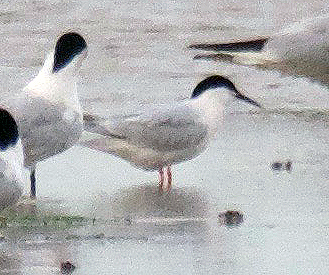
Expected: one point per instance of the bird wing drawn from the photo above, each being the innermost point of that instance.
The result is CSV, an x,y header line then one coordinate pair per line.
x,y
43,127
250,45
163,129
300,49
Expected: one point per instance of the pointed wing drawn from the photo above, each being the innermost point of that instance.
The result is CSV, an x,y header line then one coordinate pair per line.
x,y
164,129
45,129
250,45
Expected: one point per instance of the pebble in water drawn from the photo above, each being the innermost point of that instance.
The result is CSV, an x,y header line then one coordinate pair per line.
x,y
278,166
67,268
231,217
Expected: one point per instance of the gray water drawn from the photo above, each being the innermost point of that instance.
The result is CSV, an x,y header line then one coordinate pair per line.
x,y
137,56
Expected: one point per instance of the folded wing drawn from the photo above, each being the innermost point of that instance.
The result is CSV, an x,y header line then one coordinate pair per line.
x,y
161,130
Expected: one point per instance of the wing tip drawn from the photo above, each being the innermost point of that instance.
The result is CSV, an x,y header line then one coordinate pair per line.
x,y
250,45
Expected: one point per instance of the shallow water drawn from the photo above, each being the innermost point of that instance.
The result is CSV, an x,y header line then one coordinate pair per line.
x,y
138,55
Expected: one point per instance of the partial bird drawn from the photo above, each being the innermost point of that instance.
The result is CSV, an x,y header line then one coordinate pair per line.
x,y
48,111
11,161
166,135
300,49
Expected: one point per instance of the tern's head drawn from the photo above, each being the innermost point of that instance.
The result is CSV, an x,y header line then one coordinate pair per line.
x,y
69,48
221,84
8,130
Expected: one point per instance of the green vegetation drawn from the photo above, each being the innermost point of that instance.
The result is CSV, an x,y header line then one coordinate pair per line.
x,y
12,218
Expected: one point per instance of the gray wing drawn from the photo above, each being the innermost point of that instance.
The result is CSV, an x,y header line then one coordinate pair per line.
x,y
160,129
43,127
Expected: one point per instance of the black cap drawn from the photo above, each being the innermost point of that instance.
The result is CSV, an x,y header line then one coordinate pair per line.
x,y
67,47
212,82
8,130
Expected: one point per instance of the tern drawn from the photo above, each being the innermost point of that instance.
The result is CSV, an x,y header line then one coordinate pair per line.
x,y
11,161
163,136
48,111
300,49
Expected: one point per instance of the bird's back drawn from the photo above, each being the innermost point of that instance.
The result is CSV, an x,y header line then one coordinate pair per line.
x,y
46,128
166,128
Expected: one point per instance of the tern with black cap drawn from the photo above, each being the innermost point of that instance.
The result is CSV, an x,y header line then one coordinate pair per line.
x,y
48,111
167,135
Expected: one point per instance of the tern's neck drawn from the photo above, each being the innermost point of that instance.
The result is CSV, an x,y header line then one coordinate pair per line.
x,y
211,104
59,87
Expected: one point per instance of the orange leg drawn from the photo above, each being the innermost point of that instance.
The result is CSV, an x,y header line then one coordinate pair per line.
x,y
169,176
161,180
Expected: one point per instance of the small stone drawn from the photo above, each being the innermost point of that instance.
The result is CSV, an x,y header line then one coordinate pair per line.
x,y
72,237
231,217
277,165
282,166
67,268
99,236
127,220
288,165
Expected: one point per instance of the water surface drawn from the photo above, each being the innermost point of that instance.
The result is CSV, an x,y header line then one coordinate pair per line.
x,y
106,216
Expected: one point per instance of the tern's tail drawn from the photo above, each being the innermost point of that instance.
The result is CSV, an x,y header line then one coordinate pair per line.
x,y
95,135
99,126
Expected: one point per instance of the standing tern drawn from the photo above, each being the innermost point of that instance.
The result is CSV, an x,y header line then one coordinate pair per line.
x,y
48,111
301,49
160,137
11,161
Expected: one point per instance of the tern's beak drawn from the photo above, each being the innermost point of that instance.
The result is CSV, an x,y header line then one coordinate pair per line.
x,y
247,99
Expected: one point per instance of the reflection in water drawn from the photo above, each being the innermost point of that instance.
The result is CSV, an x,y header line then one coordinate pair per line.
x,y
140,212
145,201
168,224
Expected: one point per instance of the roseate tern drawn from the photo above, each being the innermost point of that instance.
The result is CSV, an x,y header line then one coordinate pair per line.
x,y
48,111
160,137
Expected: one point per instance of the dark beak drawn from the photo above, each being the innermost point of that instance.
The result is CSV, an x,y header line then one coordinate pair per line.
x,y
247,99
